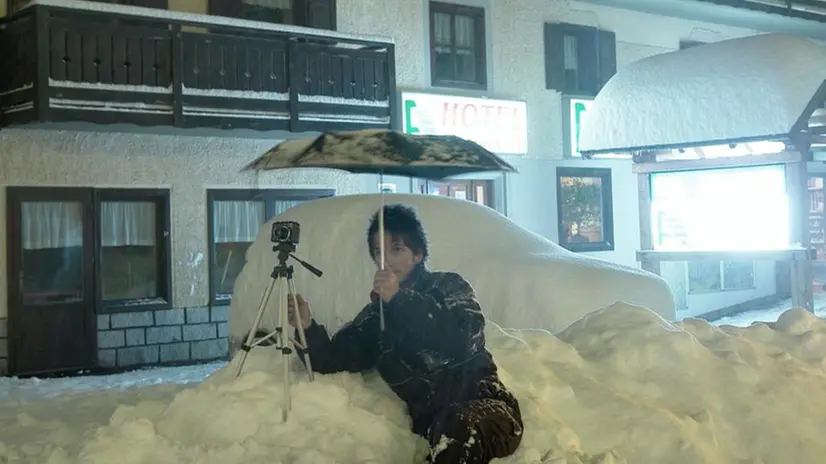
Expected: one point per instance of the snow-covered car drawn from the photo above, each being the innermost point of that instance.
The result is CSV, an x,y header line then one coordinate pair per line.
x,y
522,279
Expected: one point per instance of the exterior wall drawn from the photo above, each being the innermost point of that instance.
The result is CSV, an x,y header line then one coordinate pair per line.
x,y
190,165
516,70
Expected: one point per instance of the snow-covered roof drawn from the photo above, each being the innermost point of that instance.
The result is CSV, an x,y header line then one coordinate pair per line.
x,y
752,88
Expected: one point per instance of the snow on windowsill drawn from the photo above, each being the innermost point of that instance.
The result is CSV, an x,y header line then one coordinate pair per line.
x,y
205,20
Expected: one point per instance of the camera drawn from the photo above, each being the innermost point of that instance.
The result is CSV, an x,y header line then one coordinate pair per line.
x,y
285,232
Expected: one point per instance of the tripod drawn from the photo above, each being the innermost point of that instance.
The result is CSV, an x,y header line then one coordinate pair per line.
x,y
282,273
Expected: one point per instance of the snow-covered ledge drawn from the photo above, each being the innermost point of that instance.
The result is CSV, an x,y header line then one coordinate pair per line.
x,y
205,20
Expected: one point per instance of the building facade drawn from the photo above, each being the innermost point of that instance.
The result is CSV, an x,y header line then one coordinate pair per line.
x,y
149,221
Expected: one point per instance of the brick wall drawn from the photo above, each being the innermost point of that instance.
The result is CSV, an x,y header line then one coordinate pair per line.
x,y
182,335
4,346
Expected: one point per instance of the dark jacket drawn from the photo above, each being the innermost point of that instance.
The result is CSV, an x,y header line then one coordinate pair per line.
x,y
432,352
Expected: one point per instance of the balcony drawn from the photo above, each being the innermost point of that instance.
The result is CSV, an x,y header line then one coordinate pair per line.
x,y
72,61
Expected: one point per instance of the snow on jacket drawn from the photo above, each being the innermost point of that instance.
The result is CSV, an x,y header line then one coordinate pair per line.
x,y
432,352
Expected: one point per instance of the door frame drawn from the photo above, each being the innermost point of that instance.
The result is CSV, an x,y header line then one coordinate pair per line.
x,y
15,196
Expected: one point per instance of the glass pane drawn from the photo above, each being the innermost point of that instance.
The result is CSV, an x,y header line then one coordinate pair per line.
x,y
738,275
571,53
52,252
129,250
480,196
439,188
283,205
581,200
235,226
465,65
273,11
459,191
464,32
441,29
230,258
704,276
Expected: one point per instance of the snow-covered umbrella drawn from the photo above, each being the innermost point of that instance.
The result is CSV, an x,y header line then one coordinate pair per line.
x,y
381,151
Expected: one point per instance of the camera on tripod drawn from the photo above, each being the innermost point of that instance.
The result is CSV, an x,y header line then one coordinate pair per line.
x,y
285,232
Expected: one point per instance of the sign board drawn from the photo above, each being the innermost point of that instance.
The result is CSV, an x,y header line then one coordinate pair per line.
x,y
501,126
577,107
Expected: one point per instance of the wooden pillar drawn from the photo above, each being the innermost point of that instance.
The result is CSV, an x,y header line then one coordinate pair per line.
x,y
801,275
646,235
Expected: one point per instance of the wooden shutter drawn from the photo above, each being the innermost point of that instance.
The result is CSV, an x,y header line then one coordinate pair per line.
x,y
555,57
607,55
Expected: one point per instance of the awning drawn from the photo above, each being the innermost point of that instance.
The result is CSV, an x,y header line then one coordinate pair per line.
x,y
761,87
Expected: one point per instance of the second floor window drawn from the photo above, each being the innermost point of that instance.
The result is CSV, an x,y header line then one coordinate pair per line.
x,y
457,46
579,60
318,14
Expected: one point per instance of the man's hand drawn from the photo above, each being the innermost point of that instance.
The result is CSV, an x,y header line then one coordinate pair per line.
x,y
303,311
385,284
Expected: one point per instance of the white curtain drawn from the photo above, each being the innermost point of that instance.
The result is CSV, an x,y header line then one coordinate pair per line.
x,y
237,221
571,53
281,206
51,225
279,4
441,28
465,26
127,223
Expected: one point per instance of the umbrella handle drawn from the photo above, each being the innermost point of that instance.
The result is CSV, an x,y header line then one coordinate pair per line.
x,y
381,249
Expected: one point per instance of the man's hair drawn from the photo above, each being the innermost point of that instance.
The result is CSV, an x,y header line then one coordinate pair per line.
x,y
400,223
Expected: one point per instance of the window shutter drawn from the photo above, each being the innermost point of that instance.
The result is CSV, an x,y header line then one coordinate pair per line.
x,y
607,55
321,14
226,8
555,57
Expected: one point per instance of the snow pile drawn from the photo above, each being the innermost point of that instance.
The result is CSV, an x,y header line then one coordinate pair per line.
x,y
707,94
522,279
622,385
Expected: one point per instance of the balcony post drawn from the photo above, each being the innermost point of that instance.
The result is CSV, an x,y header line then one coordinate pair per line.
x,y
177,75
294,71
41,76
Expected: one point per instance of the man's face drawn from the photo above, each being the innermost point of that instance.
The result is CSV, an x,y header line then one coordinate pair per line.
x,y
397,256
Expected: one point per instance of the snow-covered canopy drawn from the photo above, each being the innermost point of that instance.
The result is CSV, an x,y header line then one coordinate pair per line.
x,y
753,88
522,279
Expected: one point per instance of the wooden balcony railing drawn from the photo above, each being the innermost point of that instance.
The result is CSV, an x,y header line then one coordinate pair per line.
x,y
97,63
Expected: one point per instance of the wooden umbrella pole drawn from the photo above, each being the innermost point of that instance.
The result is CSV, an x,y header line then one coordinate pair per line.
x,y
381,245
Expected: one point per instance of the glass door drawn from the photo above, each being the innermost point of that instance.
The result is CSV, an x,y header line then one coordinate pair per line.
x,y
51,283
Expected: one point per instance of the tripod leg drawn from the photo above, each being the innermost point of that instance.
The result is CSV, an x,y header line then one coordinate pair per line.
x,y
285,347
247,346
302,337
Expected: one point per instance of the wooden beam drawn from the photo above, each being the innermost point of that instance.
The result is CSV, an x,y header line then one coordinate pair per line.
x,y
712,163
788,254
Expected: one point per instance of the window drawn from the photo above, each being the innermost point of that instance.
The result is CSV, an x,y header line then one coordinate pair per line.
x,y
17,5
457,46
318,14
579,60
234,219
477,191
716,276
585,211
133,249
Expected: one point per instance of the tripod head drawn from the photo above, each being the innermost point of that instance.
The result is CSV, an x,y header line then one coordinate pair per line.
x,y
285,235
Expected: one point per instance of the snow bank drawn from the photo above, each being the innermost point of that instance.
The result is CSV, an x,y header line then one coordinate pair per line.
x,y
622,385
522,279
752,87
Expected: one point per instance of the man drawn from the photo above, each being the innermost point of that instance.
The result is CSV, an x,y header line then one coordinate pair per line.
x,y
432,352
